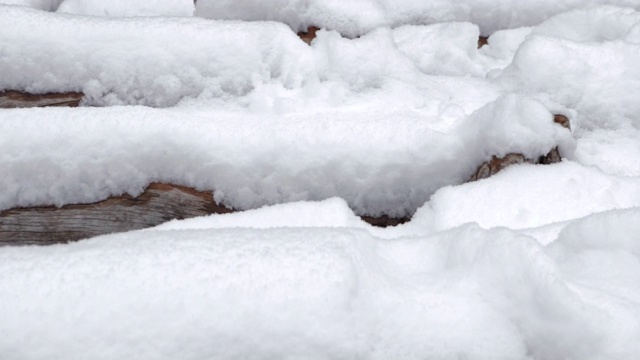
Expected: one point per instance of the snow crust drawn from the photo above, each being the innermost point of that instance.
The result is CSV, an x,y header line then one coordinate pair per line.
x,y
536,262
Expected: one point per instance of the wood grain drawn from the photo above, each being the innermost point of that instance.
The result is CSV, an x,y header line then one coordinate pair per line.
x,y
21,99
157,204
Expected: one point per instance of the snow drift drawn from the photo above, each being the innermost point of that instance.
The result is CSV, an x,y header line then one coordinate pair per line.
x,y
355,18
327,293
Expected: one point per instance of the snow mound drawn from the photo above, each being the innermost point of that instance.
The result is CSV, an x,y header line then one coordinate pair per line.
x,y
381,161
262,118
146,61
161,61
128,8
390,122
326,293
328,213
586,61
583,60
355,18
529,196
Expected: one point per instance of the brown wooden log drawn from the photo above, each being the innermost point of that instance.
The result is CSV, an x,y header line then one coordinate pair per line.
x,y
309,35
496,164
157,204
562,120
482,41
21,99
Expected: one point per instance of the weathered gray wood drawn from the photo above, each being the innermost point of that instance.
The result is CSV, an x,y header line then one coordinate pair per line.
x,y
157,204
20,99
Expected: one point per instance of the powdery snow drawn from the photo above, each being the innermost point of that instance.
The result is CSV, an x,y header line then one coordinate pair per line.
x,y
327,293
554,193
537,262
355,18
128,7
381,160
160,61
585,61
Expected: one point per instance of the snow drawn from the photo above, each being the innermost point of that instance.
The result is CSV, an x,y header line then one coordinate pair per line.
x,y
535,262
576,191
330,213
587,68
315,292
48,5
180,58
127,7
116,8
355,18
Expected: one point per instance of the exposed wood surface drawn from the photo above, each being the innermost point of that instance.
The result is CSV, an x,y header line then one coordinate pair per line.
x,y
482,41
496,164
562,120
309,35
21,99
157,204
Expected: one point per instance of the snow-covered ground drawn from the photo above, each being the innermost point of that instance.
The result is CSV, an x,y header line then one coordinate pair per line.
x,y
537,262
